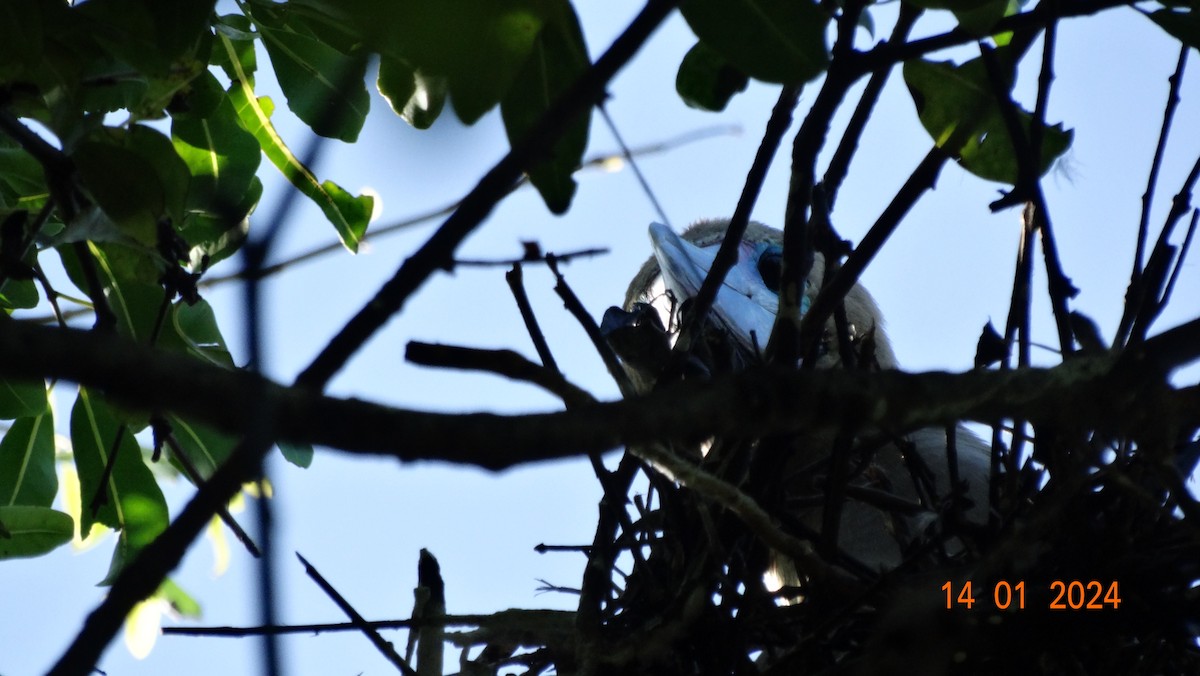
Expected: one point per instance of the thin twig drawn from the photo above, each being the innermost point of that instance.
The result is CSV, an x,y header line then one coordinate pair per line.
x,y
1183,250
637,172
839,165
581,315
356,619
532,257
193,475
515,279
751,513
1017,330
1149,301
106,320
1045,79
727,254
141,577
1028,188
515,617
831,294
891,54
501,362
1175,81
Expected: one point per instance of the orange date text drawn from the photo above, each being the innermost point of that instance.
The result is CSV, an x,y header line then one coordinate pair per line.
x,y
1058,595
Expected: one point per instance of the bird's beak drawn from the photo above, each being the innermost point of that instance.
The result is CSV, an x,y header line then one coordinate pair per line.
x,y
745,307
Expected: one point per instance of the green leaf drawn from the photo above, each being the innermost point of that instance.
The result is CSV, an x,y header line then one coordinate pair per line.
x,y
21,398
180,25
490,49
300,455
478,46
956,106
136,177
23,179
181,602
195,331
977,17
125,29
770,40
323,86
349,215
130,282
415,97
21,33
32,531
558,59
18,294
124,186
706,80
222,158
235,52
27,475
205,447
215,237
133,502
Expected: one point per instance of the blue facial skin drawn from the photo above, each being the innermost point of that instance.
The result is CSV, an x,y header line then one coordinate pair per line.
x,y
747,302
767,258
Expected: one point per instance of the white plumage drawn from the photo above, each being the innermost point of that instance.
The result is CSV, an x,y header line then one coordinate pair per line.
x,y
745,309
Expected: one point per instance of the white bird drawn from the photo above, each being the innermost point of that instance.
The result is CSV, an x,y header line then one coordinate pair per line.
x,y
883,513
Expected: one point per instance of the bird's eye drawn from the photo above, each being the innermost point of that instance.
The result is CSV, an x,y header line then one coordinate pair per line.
x,y
770,263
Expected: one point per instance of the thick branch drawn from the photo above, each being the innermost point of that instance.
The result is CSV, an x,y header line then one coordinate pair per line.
x,y
1121,396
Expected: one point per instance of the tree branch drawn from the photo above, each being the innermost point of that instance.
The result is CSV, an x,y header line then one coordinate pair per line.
x,y
438,251
1119,395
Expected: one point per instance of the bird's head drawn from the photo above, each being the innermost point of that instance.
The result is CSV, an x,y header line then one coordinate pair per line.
x,y
746,304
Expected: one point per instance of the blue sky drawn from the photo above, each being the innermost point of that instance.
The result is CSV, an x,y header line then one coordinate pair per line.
x,y
361,521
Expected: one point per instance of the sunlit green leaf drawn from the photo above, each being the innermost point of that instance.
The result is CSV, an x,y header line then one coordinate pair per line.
x,y
348,214
181,602
132,501
27,475
32,531
222,158
769,40
558,59
143,625
706,80
234,52
957,107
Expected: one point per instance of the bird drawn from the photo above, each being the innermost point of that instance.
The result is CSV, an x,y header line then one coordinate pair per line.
x,y
883,515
